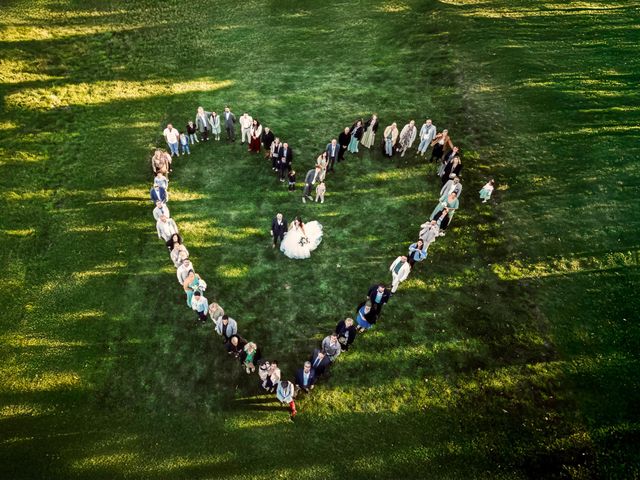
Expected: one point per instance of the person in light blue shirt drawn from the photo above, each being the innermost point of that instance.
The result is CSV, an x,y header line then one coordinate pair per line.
x,y
417,252
305,377
200,305
285,393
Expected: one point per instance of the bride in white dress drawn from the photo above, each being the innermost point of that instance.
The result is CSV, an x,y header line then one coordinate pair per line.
x,y
301,239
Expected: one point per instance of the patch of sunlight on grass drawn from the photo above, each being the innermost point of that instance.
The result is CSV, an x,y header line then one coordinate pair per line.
x,y
603,129
393,7
81,315
86,229
410,197
483,88
330,214
103,92
24,232
238,422
30,195
369,463
518,269
453,280
41,382
237,234
18,71
7,124
22,410
228,271
298,14
112,460
395,396
487,9
395,174
40,342
413,283
110,268
144,124
175,463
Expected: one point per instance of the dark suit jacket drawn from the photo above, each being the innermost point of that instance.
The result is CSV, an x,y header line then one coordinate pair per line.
x,y
300,378
323,365
373,291
267,139
238,349
278,230
162,196
344,139
228,122
448,170
336,152
356,132
310,176
375,127
288,157
341,329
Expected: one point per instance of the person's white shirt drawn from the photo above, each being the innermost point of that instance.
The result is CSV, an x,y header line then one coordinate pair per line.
x,y
246,121
166,229
172,135
183,271
158,211
200,304
403,273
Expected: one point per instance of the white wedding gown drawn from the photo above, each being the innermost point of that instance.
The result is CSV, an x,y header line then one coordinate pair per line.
x,y
293,247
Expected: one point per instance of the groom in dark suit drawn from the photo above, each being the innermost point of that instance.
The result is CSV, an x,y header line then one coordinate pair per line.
x,y
278,229
285,157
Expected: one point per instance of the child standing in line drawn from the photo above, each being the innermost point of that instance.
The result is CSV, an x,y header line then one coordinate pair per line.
x,y
191,131
292,180
321,189
485,193
184,143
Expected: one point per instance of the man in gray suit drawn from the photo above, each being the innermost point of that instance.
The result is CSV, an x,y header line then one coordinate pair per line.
x,y
452,186
333,149
309,179
229,124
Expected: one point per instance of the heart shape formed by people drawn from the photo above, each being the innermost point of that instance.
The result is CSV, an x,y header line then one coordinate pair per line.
x,y
230,275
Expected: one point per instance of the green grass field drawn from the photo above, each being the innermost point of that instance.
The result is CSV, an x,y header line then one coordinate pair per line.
x,y
512,352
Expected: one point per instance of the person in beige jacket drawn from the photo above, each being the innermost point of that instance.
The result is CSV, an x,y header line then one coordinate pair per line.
x,y
399,269
390,137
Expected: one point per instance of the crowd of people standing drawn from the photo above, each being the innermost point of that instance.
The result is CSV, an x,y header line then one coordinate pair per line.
x,y
207,126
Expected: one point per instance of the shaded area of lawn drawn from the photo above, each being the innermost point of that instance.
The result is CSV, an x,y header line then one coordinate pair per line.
x,y
511,352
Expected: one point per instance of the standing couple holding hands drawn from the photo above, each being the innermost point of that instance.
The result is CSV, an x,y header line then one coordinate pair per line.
x,y
298,239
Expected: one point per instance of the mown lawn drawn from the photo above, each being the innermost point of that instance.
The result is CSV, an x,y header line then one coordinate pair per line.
x,y
512,352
